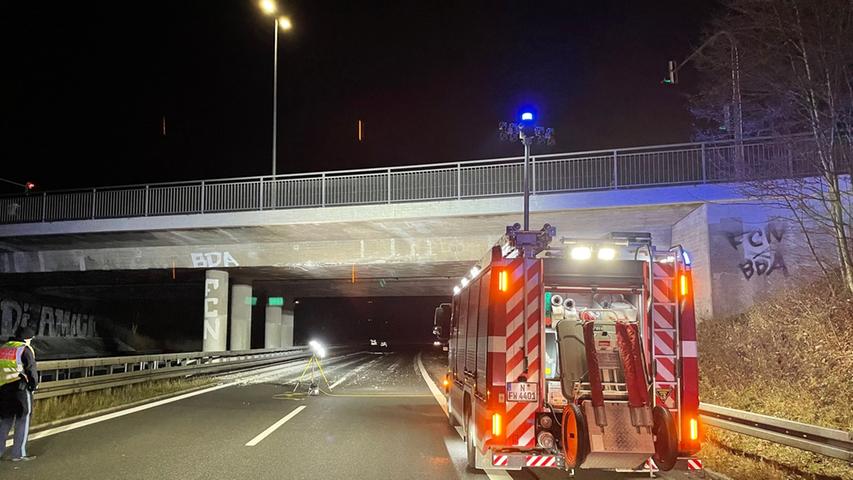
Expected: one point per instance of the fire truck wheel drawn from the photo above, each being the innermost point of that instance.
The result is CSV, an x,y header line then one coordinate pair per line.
x,y
470,446
666,441
575,439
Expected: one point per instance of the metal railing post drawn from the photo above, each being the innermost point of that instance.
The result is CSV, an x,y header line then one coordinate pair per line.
x,y
704,167
202,197
44,207
458,181
389,185
261,194
94,193
323,190
146,200
615,170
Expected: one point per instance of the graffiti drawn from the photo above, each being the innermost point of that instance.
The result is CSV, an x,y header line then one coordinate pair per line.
x,y
213,259
761,255
46,320
212,318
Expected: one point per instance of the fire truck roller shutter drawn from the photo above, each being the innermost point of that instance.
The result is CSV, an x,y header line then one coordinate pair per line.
x,y
572,355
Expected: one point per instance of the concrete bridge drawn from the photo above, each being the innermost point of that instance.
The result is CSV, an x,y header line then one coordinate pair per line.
x,y
408,230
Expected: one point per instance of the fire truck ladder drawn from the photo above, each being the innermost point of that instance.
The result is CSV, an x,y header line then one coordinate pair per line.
x,y
665,334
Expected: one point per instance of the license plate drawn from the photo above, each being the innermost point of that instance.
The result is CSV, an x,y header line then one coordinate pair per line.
x,y
522,392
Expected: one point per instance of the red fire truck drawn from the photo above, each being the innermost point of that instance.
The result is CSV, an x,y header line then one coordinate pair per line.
x,y
581,356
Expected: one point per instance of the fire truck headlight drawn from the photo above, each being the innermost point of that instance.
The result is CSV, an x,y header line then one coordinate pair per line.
x,y
545,440
581,253
606,253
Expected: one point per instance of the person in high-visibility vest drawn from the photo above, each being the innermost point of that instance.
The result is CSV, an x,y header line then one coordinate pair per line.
x,y
18,380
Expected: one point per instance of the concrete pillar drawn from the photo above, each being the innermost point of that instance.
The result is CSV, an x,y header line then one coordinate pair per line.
x,y
241,317
215,311
272,327
287,328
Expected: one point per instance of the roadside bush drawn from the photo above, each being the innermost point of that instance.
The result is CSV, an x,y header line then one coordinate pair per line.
x,y
790,356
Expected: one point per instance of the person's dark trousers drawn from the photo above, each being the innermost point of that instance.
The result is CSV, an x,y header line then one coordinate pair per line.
x,y
21,422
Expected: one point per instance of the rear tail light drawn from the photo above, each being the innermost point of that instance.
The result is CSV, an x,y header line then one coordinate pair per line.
x,y
503,281
497,425
683,288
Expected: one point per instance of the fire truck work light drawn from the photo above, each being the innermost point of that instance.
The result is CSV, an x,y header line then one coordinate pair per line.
x,y
464,282
474,271
456,289
317,348
606,253
581,253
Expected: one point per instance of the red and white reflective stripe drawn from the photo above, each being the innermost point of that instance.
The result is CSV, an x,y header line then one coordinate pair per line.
x,y
665,369
694,464
520,428
651,465
541,460
500,460
664,342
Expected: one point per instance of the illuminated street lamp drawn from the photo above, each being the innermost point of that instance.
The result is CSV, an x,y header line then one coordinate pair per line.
x,y
269,7
527,132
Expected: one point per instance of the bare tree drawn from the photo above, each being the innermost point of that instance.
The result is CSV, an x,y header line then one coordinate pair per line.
x,y
795,71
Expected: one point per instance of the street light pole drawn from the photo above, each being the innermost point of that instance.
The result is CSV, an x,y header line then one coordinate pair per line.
x,y
269,7
275,97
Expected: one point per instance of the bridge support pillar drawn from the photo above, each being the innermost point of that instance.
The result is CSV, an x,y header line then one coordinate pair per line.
x,y
287,328
215,335
272,327
241,317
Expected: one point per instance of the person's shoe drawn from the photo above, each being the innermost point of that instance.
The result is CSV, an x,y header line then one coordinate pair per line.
x,y
24,459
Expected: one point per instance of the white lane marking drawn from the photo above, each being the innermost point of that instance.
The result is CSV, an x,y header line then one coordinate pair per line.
x,y
121,413
439,396
494,474
266,433
351,372
110,416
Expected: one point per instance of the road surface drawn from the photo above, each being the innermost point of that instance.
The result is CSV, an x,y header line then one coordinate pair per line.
x,y
378,421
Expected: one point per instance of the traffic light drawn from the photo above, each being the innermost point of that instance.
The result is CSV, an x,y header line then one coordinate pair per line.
x,y
29,186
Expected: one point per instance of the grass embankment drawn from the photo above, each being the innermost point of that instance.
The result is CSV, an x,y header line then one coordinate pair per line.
x,y
789,357
67,406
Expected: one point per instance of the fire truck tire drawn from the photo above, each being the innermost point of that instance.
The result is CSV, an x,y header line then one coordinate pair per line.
x,y
470,446
575,436
666,440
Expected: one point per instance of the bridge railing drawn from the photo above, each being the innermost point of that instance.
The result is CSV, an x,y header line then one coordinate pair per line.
x,y
687,163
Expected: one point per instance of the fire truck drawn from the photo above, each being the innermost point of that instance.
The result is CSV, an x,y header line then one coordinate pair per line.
x,y
580,356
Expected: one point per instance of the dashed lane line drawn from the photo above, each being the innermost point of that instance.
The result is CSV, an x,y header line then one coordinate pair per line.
x,y
266,433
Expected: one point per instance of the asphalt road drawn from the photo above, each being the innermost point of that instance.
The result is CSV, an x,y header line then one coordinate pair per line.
x,y
378,421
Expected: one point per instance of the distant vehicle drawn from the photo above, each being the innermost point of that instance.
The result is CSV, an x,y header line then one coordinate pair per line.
x,y
378,345
577,359
441,326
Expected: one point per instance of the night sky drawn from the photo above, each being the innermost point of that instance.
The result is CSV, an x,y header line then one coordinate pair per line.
x,y
84,85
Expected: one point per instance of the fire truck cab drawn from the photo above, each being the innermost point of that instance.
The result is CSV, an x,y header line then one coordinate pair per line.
x,y
580,356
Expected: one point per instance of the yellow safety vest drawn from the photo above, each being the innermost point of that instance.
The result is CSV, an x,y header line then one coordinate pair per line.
x,y
11,366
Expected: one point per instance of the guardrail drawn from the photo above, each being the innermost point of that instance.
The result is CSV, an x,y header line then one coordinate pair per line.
x,y
812,438
676,164
63,377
